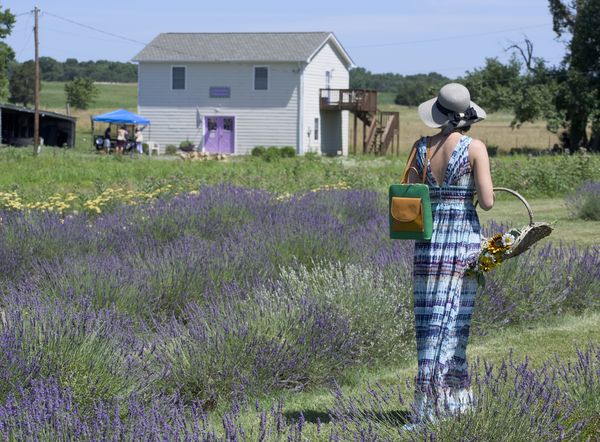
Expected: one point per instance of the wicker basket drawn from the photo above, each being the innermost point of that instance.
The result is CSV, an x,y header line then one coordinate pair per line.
x,y
529,234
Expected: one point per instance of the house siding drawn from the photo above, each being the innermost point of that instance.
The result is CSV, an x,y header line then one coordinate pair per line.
x,y
263,117
314,79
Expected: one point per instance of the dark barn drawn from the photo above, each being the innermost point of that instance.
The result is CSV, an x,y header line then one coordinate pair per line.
x,y
16,127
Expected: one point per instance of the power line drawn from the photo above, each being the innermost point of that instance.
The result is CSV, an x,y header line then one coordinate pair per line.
x,y
94,28
30,33
102,31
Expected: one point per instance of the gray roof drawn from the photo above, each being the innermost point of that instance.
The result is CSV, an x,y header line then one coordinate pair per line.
x,y
43,113
228,47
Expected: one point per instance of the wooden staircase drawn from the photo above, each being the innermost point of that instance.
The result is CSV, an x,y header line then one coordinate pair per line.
x,y
379,128
380,134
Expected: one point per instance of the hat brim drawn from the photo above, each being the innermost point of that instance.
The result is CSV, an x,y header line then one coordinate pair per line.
x,y
433,117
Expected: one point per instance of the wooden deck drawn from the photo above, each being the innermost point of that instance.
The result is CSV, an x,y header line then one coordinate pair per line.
x,y
354,100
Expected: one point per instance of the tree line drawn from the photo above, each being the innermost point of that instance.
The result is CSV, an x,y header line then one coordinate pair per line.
x,y
100,70
410,90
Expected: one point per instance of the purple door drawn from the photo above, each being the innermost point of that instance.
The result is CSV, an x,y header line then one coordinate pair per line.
x,y
219,136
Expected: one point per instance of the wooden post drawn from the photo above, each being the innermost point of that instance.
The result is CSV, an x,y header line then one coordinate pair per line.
x,y
355,129
365,149
36,114
398,136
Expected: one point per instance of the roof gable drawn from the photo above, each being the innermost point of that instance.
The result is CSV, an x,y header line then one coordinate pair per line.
x,y
238,47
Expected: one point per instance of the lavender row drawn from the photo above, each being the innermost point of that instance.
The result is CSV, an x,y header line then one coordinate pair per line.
x,y
513,401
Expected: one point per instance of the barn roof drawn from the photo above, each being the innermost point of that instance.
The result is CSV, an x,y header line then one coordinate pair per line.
x,y
239,47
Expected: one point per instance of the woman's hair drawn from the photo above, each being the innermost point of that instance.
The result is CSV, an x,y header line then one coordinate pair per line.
x,y
462,129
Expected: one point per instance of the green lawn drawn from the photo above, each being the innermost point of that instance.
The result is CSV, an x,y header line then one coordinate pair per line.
x,y
512,212
110,96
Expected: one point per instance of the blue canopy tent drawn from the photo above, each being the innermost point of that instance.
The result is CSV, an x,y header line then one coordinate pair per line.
x,y
119,116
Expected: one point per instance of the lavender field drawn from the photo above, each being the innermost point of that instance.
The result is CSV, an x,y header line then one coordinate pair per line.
x,y
188,318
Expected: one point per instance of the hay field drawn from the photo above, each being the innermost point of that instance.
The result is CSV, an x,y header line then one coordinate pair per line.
x,y
495,130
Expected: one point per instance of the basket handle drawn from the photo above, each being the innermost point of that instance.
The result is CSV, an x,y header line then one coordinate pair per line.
x,y
519,196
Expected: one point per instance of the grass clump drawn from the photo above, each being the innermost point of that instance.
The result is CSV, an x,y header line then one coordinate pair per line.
x,y
584,203
273,153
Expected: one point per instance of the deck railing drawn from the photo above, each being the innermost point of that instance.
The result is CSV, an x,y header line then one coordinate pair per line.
x,y
356,100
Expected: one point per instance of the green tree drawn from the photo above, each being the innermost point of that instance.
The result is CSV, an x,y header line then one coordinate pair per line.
x,y
81,92
493,86
22,83
579,85
51,70
410,90
414,89
7,21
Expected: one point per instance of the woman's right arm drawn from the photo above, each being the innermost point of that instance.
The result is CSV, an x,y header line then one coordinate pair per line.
x,y
480,163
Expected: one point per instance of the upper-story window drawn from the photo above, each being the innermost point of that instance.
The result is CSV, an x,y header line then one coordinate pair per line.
x,y
261,78
178,77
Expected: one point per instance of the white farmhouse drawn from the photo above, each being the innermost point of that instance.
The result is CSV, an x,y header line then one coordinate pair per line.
x,y
230,92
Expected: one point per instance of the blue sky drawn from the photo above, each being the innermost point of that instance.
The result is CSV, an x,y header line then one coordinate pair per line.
x,y
406,37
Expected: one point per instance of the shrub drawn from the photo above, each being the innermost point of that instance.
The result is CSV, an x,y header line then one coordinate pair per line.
x,y
492,150
171,149
545,175
186,145
273,153
145,148
81,92
584,203
288,152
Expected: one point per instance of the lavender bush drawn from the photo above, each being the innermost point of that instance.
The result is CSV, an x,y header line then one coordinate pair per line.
x,y
94,353
251,348
377,305
584,202
512,402
128,325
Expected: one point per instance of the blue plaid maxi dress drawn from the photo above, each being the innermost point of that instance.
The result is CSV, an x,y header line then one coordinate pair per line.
x,y
443,295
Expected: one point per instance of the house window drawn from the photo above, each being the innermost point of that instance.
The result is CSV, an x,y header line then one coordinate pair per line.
x,y
178,77
261,78
316,131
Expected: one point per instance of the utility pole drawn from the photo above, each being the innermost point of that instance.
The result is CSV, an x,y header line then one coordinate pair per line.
x,y
36,114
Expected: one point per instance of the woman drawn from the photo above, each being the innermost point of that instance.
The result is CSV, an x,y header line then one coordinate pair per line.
x,y
443,295
139,140
121,138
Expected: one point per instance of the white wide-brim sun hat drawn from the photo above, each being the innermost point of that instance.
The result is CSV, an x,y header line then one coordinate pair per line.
x,y
452,105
